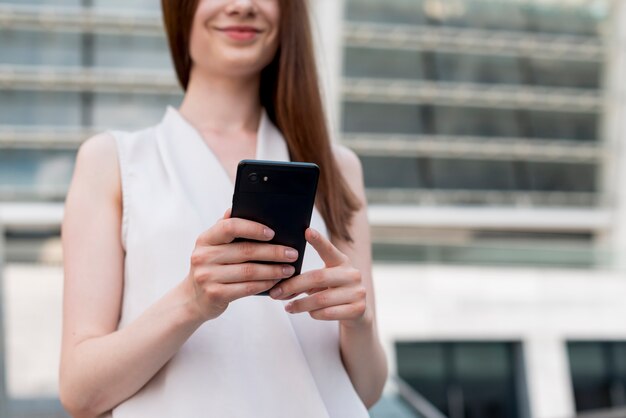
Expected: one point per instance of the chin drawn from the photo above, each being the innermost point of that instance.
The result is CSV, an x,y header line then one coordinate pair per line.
x,y
242,64
226,59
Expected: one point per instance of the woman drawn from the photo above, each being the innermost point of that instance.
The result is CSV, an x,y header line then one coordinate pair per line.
x,y
159,314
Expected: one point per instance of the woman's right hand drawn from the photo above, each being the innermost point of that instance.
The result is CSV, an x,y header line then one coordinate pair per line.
x,y
221,270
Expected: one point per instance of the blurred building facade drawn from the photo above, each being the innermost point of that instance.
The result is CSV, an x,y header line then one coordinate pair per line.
x,y
490,136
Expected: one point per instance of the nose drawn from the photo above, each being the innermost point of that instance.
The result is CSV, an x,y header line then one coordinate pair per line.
x,y
244,8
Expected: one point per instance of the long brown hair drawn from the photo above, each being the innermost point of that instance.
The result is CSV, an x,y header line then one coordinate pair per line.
x,y
290,94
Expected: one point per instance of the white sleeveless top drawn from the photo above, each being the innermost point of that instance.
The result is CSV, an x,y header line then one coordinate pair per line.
x,y
253,361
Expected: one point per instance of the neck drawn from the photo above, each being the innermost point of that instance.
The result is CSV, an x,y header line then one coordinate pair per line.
x,y
221,104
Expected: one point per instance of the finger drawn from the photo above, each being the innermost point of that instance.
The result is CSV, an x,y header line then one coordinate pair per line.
x,y
327,251
339,312
312,279
240,252
227,213
324,299
226,230
308,292
244,272
233,291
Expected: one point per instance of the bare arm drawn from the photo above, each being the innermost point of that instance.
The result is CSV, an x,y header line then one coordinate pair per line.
x,y
361,350
343,290
100,365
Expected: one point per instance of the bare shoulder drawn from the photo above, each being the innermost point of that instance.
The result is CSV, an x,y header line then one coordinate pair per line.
x,y
99,143
346,158
93,268
99,151
350,166
97,164
95,186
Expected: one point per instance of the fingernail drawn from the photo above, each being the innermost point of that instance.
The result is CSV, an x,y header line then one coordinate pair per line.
x,y
288,270
268,233
291,254
314,234
276,292
289,307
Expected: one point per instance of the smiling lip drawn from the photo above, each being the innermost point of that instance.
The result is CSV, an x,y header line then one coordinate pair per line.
x,y
240,33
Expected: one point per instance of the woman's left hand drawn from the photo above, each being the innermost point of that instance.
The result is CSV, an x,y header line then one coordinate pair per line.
x,y
336,292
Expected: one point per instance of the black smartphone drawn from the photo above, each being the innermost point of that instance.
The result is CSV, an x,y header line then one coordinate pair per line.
x,y
280,195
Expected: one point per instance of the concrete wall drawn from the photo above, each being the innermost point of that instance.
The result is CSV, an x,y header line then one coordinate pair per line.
x,y
614,133
542,309
327,24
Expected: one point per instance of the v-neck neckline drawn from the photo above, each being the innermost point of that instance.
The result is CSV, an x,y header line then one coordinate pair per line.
x,y
193,132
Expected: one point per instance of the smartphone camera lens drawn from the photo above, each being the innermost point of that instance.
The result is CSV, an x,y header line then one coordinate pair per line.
x,y
253,177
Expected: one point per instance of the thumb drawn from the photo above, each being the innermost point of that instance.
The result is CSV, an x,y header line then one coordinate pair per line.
x,y
227,213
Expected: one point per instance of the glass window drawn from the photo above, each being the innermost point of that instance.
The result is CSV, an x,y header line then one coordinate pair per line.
x,y
131,111
551,177
619,356
581,18
581,75
598,374
388,11
482,361
477,122
391,172
35,171
132,51
63,3
472,174
486,378
382,63
424,366
486,69
466,68
584,18
478,69
39,108
479,14
557,125
466,379
459,174
393,63
147,6
381,118
25,47
459,121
